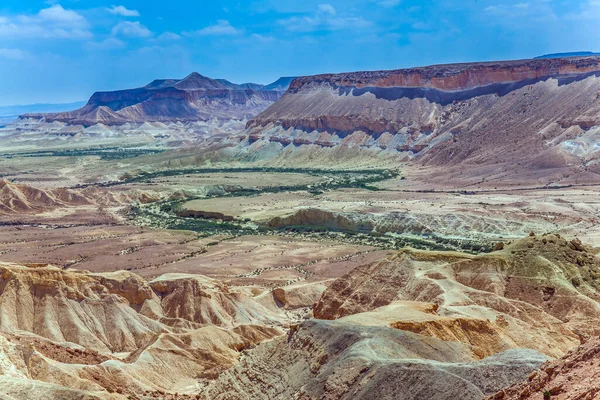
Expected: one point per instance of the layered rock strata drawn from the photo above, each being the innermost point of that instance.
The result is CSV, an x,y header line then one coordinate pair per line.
x,y
194,98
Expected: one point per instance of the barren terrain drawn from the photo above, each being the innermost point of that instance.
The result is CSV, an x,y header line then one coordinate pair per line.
x,y
426,233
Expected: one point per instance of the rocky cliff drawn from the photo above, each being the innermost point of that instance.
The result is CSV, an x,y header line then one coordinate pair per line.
x,y
194,98
441,85
543,111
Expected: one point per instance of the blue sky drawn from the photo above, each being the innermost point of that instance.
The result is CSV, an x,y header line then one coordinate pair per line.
x,y
64,50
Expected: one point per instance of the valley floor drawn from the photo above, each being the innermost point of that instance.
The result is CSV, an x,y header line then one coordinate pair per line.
x,y
122,278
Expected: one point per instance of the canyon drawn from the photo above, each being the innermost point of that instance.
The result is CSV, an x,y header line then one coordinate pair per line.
x,y
430,232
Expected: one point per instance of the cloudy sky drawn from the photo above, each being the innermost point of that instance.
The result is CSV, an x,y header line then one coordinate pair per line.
x,y
63,50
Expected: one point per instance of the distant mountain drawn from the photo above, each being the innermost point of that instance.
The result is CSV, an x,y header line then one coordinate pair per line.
x,y
243,86
10,113
280,84
194,98
572,54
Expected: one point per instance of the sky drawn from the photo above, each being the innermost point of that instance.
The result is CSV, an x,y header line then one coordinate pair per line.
x,y
58,51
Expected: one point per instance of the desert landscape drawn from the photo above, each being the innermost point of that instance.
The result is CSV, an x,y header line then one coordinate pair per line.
x,y
423,233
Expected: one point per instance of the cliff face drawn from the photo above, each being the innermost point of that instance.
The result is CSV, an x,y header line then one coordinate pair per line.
x,y
414,99
190,99
457,77
544,111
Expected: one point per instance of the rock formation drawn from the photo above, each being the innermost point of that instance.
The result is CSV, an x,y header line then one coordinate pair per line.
x,y
115,332
336,360
302,107
414,325
194,98
573,377
484,119
25,199
15,198
546,285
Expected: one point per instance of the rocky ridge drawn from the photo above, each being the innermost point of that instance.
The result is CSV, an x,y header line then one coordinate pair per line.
x,y
440,84
337,360
535,118
546,283
24,199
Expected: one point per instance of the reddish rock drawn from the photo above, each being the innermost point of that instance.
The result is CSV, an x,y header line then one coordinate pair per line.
x,y
457,76
572,377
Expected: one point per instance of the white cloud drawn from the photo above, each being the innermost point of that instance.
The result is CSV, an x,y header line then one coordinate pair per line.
x,y
325,18
52,22
13,54
131,29
326,9
262,38
168,36
534,11
122,11
58,15
107,44
221,28
589,10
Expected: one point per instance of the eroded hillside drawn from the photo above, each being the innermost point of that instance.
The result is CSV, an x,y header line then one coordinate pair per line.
x,y
411,324
467,122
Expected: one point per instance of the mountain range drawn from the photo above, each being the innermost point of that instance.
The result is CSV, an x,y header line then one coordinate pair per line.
x,y
503,119
193,98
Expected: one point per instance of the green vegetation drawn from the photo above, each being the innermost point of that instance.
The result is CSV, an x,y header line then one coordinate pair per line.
x,y
161,216
337,178
164,215
105,153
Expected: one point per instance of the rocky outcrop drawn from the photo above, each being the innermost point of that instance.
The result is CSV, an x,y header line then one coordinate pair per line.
x,y
323,219
194,98
297,296
192,300
543,284
204,215
337,360
573,377
125,309
17,198
457,77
